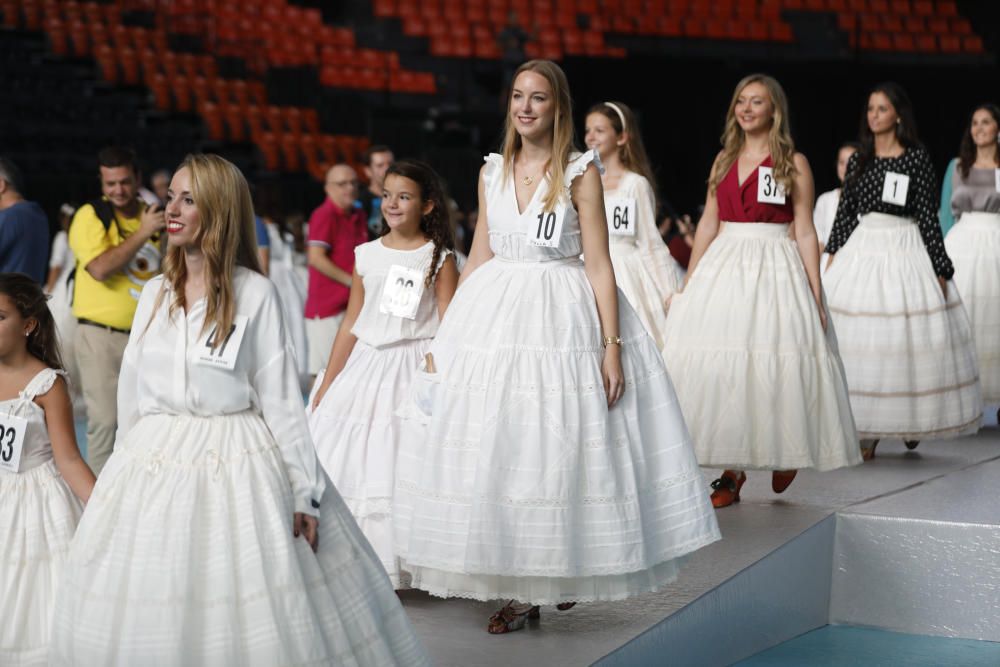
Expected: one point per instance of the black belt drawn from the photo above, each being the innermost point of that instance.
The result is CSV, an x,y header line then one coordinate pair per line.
x,y
83,320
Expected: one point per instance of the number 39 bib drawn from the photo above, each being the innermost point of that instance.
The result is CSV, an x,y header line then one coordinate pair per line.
x,y
11,441
545,229
401,292
621,212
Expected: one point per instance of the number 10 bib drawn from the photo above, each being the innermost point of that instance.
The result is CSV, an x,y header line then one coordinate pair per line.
x,y
545,228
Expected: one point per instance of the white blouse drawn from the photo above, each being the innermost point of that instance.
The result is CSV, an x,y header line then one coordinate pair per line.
x,y
160,374
824,212
374,262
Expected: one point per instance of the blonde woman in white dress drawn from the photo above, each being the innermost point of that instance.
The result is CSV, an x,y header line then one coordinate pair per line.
x,y
555,466
645,272
212,537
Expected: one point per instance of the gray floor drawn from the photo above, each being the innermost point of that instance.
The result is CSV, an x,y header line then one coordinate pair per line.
x,y
453,630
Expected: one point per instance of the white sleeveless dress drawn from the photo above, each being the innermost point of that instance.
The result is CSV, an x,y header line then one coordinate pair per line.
x,y
524,484
645,271
38,516
354,428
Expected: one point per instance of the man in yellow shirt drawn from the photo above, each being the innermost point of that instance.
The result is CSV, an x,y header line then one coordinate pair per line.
x,y
115,241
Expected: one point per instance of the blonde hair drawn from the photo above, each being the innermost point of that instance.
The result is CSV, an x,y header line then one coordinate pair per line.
x,y
562,130
227,237
779,138
632,153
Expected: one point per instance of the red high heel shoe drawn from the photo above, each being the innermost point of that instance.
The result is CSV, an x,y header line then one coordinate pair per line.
x,y
727,489
781,479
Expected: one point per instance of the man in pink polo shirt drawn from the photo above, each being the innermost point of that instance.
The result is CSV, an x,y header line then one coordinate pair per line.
x,y
335,229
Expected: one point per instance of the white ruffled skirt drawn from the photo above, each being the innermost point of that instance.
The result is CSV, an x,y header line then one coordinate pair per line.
x,y
185,556
974,247
909,354
38,515
357,436
645,290
760,382
522,483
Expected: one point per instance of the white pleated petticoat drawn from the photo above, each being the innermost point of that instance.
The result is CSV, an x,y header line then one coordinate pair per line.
x,y
525,485
38,515
974,247
759,380
357,436
909,354
185,556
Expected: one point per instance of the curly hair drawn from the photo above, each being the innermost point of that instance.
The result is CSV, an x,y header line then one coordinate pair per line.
x,y
435,225
30,301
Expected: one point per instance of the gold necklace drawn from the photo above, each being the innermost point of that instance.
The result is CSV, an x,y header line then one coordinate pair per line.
x,y
527,180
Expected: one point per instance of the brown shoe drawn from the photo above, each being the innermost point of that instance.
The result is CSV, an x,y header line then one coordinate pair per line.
x,y
727,489
781,479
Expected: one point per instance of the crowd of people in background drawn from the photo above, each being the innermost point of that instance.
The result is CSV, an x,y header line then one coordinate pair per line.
x,y
562,371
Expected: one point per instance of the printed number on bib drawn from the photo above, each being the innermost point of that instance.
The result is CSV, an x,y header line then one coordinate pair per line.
x,y
401,292
223,354
895,188
769,191
11,441
546,228
621,214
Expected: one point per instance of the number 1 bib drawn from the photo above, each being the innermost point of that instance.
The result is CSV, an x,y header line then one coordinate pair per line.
x,y
11,441
895,188
621,212
401,292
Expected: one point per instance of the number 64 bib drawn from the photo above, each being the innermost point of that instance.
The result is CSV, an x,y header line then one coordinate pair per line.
x,y
11,441
621,212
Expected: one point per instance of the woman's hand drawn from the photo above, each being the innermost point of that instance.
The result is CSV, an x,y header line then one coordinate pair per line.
x,y
307,526
320,393
611,371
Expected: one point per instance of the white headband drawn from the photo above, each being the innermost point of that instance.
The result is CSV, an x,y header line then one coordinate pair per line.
x,y
621,115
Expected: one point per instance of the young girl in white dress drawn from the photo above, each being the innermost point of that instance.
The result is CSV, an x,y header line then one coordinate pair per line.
x,y
748,341
645,272
555,466
43,478
201,543
402,285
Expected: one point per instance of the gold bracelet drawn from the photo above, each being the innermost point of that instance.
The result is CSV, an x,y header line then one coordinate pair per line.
x,y
613,340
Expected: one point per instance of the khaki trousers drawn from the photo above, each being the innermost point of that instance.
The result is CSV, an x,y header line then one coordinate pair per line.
x,y
99,358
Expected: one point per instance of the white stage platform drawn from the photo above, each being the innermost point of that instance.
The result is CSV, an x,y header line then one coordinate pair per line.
x,y
909,541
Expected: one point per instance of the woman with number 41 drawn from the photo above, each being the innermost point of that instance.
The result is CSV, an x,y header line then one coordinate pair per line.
x,y
748,340
555,467
905,337
644,270
209,539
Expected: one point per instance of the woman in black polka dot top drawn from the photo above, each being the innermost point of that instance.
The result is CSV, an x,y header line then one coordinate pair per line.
x,y
904,335
863,194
